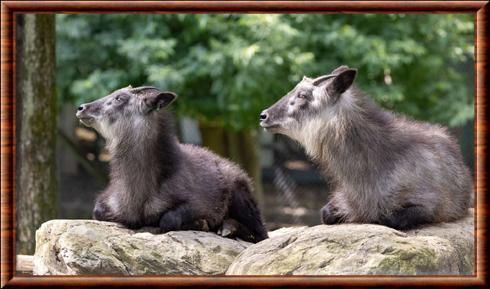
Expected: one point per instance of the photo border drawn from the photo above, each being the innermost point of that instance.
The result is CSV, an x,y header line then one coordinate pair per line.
x,y
8,140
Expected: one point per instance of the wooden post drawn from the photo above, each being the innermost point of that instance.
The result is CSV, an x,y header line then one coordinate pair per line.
x,y
24,264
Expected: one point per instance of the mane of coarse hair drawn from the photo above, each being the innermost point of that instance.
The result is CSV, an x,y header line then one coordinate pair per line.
x,y
357,136
156,147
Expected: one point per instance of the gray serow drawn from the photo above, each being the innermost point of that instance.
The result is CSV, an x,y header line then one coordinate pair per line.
x,y
157,181
387,168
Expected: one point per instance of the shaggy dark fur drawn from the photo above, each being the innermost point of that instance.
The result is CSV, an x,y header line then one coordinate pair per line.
x,y
389,169
157,181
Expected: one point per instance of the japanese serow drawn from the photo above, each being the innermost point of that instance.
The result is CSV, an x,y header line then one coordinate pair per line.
x,y
157,181
388,169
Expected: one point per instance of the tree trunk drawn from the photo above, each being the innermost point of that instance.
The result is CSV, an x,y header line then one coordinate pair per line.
x,y
240,147
36,192
213,137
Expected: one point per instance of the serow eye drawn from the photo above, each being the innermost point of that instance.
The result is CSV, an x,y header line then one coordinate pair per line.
x,y
117,98
301,95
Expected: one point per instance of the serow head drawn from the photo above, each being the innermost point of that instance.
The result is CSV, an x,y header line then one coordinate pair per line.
x,y
310,99
124,110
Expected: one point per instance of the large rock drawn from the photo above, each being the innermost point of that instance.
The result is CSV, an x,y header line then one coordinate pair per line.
x,y
361,249
91,247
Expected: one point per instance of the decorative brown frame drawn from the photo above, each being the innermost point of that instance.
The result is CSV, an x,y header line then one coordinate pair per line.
x,y
9,8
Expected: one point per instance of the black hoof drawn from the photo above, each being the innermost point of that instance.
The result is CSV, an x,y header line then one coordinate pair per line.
x,y
170,221
101,212
228,229
329,215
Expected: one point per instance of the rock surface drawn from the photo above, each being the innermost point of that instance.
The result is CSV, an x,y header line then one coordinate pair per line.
x,y
73,247
356,249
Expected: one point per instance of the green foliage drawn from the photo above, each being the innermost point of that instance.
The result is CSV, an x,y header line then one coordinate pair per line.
x,y
227,68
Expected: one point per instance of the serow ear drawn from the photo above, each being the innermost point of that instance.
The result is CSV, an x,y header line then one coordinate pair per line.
x,y
340,69
342,81
158,101
154,99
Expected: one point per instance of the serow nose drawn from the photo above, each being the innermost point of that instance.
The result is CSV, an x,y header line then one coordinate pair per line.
x,y
263,116
81,107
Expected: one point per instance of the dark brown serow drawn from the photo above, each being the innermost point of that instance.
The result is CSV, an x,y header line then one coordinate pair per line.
x,y
388,169
157,181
